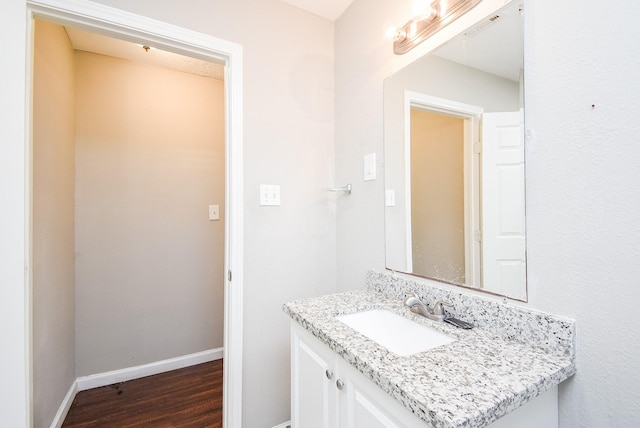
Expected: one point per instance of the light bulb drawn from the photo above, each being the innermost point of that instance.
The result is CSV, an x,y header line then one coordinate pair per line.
x,y
422,11
396,34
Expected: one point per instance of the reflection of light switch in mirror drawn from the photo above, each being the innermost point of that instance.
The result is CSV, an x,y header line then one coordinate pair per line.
x,y
269,194
390,198
214,212
370,167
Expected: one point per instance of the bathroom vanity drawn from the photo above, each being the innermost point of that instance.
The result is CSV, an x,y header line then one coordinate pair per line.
x,y
503,373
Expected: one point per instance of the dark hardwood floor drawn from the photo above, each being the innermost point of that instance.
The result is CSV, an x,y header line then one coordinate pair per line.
x,y
185,398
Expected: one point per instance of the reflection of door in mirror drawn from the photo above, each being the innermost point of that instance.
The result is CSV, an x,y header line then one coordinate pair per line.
x,y
503,242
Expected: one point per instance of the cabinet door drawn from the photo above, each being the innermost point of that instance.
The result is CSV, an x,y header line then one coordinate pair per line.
x,y
360,410
363,404
313,400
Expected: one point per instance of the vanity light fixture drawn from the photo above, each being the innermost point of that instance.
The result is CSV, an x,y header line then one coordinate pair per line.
x,y
428,20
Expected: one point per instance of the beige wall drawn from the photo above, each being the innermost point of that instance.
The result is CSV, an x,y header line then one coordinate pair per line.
x,y
149,161
53,221
437,195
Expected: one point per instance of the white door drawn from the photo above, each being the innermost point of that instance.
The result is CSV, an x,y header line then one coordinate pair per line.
x,y
503,225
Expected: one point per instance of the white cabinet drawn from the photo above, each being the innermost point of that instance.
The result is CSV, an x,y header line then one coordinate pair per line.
x,y
327,392
313,403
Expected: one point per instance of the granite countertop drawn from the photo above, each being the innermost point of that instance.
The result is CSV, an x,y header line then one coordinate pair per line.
x,y
468,383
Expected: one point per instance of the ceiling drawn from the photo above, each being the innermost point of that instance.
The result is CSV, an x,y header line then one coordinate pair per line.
x,y
329,9
91,42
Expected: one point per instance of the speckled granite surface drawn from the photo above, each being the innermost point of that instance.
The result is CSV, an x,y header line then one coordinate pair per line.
x,y
471,382
548,332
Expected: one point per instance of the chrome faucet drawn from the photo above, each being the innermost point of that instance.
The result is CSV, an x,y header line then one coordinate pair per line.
x,y
416,305
435,314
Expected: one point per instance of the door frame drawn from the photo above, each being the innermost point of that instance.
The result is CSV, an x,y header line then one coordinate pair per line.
x,y
117,23
472,117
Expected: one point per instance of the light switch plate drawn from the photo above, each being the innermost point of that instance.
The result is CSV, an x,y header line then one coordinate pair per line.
x,y
214,212
370,167
390,198
269,195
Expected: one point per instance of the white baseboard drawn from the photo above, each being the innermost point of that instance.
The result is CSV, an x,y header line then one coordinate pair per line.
x,y
58,419
122,375
283,425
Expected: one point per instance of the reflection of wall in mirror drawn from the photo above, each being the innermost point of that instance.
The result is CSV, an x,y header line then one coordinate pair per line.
x,y
437,195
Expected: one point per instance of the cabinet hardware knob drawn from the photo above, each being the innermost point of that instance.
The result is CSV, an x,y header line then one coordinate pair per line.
x,y
329,373
340,384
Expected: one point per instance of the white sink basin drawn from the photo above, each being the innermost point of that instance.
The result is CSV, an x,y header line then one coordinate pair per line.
x,y
398,334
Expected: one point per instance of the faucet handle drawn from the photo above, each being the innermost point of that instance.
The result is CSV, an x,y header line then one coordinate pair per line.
x,y
410,298
438,308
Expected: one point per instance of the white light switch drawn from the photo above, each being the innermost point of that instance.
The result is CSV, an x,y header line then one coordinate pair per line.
x,y
390,198
269,194
214,212
370,167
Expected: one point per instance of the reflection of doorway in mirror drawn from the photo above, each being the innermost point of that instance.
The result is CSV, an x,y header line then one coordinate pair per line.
x,y
442,186
437,195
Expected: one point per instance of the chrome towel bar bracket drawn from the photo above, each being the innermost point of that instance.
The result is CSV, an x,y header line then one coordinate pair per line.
x,y
346,189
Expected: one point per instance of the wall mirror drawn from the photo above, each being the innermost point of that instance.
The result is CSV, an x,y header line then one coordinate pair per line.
x,y
454,160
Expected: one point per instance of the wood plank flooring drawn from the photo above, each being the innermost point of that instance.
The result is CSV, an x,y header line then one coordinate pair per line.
x,y
185,398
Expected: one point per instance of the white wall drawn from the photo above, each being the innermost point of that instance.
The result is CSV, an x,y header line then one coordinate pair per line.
x,y
583,196
54,368
149,263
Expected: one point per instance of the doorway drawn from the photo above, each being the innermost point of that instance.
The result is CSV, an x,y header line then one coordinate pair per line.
x,y
122,25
